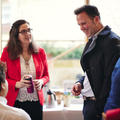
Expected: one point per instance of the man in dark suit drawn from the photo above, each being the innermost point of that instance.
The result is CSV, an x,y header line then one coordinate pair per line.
x,y
98,59
113,101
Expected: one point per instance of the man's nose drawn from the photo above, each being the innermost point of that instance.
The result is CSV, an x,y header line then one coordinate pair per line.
x,y
81,27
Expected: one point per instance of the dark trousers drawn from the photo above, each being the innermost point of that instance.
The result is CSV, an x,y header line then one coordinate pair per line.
x,y
34,109
90,112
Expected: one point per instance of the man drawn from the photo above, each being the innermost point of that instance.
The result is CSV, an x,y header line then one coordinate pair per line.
x,y
98,59
112,105
113,100
8,112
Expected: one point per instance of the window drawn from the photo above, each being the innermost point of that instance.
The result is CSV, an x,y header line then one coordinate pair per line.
x,y
54,24
55,28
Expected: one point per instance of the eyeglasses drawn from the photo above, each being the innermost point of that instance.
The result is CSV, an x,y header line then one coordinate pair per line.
x,y
25,31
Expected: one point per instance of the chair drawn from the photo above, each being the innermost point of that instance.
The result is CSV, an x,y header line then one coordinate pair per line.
x,y
113,114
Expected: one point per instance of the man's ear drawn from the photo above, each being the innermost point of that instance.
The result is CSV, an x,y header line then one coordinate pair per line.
x,y
96,19
3,86
3,91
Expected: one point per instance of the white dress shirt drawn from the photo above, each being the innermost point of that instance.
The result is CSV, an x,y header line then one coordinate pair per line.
x,y
87,91
11,113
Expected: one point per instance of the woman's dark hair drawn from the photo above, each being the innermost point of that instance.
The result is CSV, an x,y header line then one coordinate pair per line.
x,y
90,10
2,73
14,45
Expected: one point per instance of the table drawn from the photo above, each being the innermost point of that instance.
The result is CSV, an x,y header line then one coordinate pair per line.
x,y
74,112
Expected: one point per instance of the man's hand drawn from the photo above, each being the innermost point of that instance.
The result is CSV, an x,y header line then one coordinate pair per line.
x,y
76,90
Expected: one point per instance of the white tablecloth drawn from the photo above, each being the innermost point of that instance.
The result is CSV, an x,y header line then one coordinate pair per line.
x,y
74,112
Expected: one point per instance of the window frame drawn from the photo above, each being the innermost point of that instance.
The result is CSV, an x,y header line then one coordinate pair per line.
x,y
0,27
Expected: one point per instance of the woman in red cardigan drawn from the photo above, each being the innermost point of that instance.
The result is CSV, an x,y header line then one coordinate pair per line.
x,y
24,60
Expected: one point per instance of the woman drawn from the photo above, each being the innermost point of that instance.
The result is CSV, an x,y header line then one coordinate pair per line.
x,y
23,59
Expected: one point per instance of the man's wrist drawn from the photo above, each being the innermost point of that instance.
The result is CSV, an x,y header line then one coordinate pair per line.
x,y
78,83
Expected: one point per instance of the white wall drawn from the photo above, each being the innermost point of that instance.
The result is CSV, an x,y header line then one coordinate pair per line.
x,y
50,19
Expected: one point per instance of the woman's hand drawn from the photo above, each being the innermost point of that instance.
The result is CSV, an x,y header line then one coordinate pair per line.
x,y
38,83
23,83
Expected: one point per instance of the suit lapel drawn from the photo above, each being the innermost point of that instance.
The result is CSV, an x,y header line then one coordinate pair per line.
x,y
90,47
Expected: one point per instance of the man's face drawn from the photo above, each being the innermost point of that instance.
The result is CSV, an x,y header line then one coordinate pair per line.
x,y
4,90
6,87
87,25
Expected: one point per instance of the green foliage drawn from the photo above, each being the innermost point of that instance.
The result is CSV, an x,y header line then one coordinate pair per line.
x,y
53,51
75,54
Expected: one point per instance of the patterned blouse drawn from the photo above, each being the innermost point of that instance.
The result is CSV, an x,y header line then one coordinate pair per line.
x,y
27,67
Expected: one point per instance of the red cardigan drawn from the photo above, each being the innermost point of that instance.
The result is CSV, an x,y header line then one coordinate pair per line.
x,y
13,73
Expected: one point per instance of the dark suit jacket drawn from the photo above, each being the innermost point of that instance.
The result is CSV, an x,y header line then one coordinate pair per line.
x,y
13,73
98,62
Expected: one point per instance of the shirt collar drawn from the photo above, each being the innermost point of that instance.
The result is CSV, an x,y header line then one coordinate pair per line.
x,y
96,34
3,100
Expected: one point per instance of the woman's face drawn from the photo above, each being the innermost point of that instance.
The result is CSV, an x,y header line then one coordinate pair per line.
x,y
24,35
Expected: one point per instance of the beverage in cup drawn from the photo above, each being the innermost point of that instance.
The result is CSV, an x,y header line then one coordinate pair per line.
x,y
31,88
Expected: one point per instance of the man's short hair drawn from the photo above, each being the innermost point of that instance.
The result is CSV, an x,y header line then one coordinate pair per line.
x,y
2,73
90,10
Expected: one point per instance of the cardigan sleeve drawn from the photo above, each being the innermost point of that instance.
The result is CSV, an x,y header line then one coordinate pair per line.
x,y
45,75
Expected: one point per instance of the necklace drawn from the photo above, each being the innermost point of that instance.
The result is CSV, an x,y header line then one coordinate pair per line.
x,y
27,62
26,59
